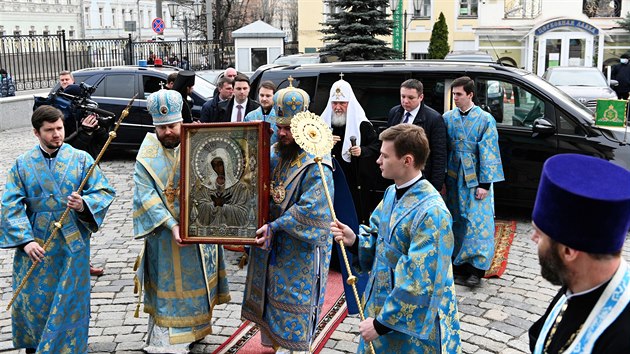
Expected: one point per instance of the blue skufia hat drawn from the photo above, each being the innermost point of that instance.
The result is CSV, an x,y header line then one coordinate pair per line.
x,y
584,202
288,102
165,106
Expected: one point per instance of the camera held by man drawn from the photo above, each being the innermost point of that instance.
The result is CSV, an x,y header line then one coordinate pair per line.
x,y
85,124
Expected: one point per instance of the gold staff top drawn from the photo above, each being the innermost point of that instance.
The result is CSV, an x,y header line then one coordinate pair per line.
x,y
311,133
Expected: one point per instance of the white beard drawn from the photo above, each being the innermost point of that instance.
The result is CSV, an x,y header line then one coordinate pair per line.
x,y
338,120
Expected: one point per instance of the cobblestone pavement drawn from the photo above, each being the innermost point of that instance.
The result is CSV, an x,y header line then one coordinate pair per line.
x,y
495,317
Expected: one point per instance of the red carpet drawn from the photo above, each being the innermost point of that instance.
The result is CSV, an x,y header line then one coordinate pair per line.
x,y
246,340
503,235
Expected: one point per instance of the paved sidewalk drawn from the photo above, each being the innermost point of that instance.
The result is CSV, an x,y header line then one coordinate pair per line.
x,y
495,317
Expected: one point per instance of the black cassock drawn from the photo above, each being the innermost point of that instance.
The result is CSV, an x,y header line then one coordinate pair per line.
x,y
615,339
363,172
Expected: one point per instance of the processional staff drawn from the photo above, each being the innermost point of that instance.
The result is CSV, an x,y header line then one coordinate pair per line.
x,y
58,224
311,134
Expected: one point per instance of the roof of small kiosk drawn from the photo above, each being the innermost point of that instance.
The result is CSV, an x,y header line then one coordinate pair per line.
x,y
258,29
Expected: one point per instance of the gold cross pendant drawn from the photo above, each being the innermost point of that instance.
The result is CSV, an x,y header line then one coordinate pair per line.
x,y
298,160
171,193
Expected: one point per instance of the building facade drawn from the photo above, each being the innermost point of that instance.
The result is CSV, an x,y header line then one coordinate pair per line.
x,y
532,34
80,19
16,17
94,19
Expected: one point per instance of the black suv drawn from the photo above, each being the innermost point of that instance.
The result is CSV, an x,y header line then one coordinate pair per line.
x,y
116,85
534,119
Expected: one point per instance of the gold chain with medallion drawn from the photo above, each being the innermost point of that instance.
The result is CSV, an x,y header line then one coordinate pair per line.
x,y
278,190
171,191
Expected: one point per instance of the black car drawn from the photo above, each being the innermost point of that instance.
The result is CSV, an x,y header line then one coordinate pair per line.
x,y
116,85
535,120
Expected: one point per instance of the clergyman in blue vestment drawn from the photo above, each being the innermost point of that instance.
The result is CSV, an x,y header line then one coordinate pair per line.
x,y
286,278
52,312
181,283
410,303
266,112
473,165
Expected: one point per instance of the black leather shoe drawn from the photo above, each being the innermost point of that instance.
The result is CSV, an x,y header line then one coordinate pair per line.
x,y
30,350
460,280
472,281
458,271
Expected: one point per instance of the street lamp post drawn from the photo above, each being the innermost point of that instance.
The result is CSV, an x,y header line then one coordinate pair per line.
x,y
209,33
394,5
174,7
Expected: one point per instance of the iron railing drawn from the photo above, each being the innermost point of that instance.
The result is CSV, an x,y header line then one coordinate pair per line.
x,y
34,61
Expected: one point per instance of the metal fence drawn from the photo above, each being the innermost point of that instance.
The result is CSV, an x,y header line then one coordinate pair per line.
x,y
34,61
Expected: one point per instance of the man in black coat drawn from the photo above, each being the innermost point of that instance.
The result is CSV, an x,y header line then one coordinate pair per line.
x,y
210,109
621,73
413,110
235,109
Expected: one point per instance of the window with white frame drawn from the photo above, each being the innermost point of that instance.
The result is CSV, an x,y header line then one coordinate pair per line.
x,y
468,8
101,20
424,10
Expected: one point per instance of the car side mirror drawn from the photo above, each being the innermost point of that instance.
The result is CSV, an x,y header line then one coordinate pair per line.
x,y
543,127
614,83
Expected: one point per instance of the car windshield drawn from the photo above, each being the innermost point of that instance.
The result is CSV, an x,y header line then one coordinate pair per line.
x,y
204,88
544,85
209,75
587,78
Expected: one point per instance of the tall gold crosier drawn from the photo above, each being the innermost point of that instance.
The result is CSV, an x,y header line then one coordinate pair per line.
x,y
58,224
313,135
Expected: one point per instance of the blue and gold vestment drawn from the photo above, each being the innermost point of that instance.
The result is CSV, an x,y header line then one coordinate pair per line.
x,y
473,158
284,289
257,115
407,250
181,284
52,312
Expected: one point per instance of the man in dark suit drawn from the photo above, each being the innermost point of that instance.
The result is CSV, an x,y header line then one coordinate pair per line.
x,y
210,109
413,110
235,109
